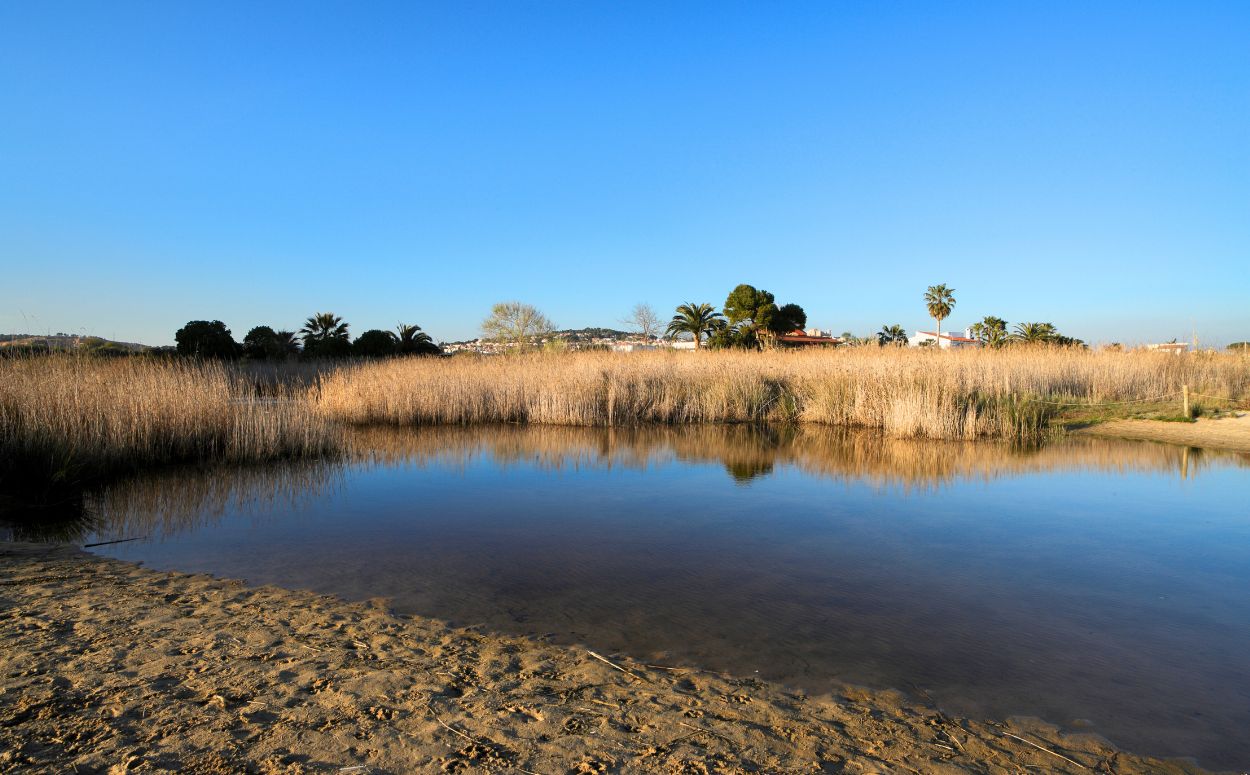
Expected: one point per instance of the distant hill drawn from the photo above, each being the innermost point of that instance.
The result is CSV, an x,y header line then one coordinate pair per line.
x,y
582,334
67,342
588,334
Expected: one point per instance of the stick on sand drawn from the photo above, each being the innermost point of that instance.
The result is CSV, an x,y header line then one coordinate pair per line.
x,y
1047,750
614,665
118,541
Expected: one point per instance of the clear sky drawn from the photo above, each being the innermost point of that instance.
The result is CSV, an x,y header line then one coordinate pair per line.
x,y
1086,164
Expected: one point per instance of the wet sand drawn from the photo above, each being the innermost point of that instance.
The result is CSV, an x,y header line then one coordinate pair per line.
x,y
110,667
1231,433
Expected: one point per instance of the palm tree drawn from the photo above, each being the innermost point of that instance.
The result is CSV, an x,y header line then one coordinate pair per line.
x,y
894,335
323,326
696,320
939,299
991,331
412,339
1034,333
286,342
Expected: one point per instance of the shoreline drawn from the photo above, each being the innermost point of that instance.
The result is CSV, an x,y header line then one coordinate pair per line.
x,y
111,667
1226,433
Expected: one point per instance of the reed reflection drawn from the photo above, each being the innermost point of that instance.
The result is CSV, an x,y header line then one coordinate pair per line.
x,y
750,451
184,499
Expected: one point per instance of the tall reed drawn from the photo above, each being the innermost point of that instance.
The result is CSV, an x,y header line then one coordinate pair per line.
x,y
1012,393
65,418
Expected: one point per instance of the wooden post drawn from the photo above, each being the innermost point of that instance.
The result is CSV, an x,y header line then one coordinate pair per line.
x,y
1185,399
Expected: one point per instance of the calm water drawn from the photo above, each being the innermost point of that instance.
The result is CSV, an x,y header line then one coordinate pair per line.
x,y
1096,584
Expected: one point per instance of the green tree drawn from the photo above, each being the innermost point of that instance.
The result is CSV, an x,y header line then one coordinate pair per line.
x,y
724,336
517,323
262,343
206,339
892,335
750,312
789,317
1240,347
375,343
414,341
1034,333
939,300
991,331
696,320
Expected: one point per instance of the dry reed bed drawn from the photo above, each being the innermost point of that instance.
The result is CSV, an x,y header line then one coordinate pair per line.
x,y
69,417
904,393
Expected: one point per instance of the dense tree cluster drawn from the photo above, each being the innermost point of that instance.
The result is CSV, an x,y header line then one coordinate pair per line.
x,y
750,319
323,335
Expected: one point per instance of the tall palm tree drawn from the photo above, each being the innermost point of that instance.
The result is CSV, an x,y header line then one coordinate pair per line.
x,y
1034,333
323,326
894,335
695,319
939,299
412,339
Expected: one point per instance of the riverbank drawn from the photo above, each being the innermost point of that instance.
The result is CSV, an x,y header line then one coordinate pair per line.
x,y
109,667
1228,432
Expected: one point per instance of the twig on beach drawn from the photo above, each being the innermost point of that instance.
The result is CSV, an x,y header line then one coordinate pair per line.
x,y
954,740
616,666
708,732
447,726
676,740
118,541
357,768
1047,750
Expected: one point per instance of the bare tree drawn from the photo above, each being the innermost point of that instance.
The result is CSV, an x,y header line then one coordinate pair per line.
x,y
643,318
512,321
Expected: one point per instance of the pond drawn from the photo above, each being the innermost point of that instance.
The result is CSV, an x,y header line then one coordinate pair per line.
x,y
1097,584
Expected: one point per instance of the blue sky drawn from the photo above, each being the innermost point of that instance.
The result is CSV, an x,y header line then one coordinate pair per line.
x,y
1083,163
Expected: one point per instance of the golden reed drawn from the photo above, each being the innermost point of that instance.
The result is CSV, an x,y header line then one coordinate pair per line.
x,y
65,417
1010,393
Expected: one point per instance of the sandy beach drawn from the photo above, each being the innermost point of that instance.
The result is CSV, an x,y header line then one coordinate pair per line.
x,y
1230,433
109,667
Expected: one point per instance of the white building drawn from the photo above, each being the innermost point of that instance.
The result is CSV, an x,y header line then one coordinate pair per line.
x,y
633,347
1176,348
946,341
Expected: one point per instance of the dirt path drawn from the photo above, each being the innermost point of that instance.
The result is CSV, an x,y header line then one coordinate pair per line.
x,y
109,667
1232,433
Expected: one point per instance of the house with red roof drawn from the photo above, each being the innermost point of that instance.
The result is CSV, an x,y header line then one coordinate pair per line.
x,y
811,338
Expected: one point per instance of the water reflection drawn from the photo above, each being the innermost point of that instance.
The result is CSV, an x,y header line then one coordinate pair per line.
x,y
748,451
183,499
